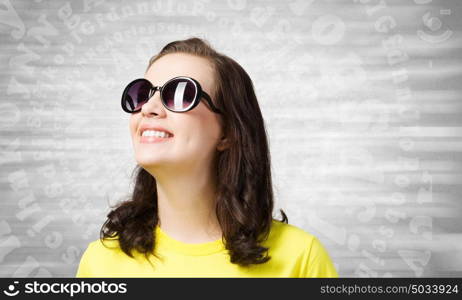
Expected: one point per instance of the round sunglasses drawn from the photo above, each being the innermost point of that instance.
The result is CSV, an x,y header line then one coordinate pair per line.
x,y
179,94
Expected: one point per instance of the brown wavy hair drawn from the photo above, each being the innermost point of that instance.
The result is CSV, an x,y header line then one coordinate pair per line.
x,y
244,202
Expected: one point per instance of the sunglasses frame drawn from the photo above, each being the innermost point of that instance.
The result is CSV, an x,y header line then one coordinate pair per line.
x,y
199,95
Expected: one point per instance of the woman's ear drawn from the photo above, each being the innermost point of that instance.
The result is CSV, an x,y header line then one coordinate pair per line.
x,y
223,144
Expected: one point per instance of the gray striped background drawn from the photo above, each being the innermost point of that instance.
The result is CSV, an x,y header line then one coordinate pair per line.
x,y
361,100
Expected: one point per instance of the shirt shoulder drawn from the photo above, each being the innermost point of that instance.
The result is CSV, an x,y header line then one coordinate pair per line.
x,y
96,254
290,236
312,258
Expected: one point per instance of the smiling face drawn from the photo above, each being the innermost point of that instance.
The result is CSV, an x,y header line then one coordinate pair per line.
x,y
196,132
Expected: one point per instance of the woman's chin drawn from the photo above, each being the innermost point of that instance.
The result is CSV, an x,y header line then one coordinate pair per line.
x,y
149,160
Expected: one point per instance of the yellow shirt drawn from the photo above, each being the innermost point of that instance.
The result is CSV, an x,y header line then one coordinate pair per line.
x,y
294,253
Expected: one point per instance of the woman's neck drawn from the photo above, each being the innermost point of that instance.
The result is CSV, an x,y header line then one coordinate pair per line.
x,y
186,208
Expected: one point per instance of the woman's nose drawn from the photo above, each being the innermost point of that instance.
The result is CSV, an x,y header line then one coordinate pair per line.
x,y
154,104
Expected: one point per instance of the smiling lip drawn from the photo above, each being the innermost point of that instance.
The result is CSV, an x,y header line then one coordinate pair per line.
x,y
153,139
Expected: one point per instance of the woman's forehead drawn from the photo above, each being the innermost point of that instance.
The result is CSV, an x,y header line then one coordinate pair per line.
x,y
181,64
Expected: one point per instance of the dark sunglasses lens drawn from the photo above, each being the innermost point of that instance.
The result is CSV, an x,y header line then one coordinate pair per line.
x,y
136,94
179,94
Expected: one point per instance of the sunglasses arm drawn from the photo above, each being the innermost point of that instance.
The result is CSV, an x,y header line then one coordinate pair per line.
x,y
210,103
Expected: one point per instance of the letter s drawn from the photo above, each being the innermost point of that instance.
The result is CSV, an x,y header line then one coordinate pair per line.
x,y
29,289
122,288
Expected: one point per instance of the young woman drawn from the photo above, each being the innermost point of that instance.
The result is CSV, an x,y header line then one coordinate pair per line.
x,y
202,203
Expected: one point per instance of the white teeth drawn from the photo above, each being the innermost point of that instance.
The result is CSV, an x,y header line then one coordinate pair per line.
x,y
156,133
